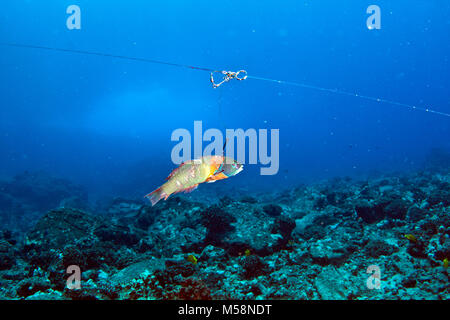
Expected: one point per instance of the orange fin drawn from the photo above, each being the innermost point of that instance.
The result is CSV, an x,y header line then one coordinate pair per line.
x,y
217,176
156,195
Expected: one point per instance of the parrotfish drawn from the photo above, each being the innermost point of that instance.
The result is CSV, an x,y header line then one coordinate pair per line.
x,y
190,174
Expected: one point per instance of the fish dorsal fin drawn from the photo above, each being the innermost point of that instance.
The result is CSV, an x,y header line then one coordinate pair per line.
x,y
172,173
176,169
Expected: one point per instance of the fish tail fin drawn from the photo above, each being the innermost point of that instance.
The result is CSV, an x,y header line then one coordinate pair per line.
x,y
157,195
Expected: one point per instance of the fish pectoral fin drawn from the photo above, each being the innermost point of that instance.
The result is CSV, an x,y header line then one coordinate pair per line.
x,y
218,176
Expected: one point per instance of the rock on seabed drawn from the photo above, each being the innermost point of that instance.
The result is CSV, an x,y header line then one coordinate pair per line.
x,y
310,242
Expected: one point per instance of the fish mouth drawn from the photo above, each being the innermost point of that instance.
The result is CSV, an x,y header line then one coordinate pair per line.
x,y
240,169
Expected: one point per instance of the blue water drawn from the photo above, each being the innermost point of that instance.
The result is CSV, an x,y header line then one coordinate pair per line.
x,y
106,123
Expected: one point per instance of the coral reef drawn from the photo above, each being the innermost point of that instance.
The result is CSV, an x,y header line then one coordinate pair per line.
x,y
28,196
310,242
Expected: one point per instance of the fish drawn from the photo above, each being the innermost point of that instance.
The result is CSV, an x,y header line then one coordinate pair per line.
x,y
191,258
190,174
411,237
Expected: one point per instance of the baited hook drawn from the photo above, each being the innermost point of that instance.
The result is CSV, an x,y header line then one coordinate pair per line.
x,y
227,76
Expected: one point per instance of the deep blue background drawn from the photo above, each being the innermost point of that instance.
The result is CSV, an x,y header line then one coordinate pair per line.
x,y
106,123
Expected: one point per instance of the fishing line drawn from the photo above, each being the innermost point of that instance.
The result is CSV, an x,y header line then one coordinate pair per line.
x,y
346,93
106,55
230,75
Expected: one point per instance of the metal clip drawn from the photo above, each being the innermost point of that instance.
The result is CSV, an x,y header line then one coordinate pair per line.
x,y
227,76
